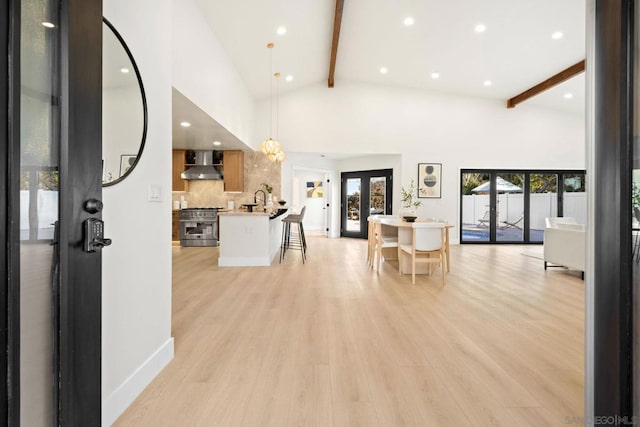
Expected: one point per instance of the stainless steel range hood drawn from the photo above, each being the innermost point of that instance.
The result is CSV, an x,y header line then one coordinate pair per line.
x,y
204,168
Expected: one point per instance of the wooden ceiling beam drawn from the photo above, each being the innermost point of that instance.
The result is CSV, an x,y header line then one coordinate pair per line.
x,y
337,22
547,84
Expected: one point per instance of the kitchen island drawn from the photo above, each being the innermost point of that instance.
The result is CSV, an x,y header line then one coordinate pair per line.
x,y
249,239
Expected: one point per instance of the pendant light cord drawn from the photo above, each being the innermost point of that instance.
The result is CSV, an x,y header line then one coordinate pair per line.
x,y
270,46
277,76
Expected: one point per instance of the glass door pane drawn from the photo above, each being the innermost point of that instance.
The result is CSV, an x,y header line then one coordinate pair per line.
x,y
510,207
354,202
476,212
38,210
574,197
543,201
377,195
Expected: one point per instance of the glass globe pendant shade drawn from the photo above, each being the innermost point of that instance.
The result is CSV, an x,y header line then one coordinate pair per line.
x,y
270,146
279,157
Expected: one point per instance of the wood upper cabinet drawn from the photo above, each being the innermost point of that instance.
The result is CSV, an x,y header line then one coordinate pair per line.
x,y
179,161
233,164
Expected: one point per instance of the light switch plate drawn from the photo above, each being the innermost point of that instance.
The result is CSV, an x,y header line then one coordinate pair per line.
x,y
155,193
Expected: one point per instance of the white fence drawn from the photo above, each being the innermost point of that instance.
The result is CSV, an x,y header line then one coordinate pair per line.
x,y
511,208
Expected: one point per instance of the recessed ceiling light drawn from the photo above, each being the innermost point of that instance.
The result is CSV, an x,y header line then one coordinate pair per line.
x,y
217,143
124,70
185,124
557,35
480,28
48,24
408,21
383,70
435,75
568,95
289,78
282,30
487,83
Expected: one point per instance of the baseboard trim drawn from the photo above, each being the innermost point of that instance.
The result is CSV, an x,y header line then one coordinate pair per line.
x,y
118,401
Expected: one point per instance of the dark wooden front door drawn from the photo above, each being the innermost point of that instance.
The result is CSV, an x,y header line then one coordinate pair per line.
x,y
50,158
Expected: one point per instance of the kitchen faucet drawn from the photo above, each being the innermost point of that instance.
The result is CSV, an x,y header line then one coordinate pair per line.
x,y
264,197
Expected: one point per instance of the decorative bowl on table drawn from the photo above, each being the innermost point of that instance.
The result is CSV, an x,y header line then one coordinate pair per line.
x,y
282,202
409,218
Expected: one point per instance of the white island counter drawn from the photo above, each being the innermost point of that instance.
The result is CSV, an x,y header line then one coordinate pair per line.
x,y
248,238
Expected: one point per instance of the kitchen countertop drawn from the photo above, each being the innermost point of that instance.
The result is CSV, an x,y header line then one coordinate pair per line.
x,y
234,213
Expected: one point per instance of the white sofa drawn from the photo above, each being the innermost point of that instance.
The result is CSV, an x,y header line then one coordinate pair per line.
x,y
564,243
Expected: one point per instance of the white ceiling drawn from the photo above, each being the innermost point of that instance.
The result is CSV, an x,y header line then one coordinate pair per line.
x,y
515,52
203,130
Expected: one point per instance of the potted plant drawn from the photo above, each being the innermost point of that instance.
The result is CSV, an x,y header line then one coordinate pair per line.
x,y
409,204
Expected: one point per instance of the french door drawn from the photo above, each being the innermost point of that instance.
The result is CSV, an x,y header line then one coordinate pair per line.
x,y
50,185
364,193
510,206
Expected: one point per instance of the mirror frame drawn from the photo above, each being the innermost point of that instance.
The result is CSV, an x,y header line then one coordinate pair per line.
x,y
144,105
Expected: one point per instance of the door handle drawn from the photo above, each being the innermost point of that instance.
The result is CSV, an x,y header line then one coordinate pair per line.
x,y
94,239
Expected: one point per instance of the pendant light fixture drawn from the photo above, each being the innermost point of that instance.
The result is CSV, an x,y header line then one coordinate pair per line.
x,y
277,156
270,146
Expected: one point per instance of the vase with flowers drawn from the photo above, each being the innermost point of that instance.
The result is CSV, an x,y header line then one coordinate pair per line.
x,y
269,189
409,203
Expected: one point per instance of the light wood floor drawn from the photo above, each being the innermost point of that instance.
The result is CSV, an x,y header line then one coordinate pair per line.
x,y
332,343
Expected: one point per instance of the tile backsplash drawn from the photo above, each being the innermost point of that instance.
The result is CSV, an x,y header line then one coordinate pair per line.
x,y
257,170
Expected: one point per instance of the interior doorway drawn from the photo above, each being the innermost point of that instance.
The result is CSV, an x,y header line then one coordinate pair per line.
x,y
312,189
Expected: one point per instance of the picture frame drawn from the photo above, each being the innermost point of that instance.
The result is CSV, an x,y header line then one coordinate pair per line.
x,y
314,189
429,180
126,161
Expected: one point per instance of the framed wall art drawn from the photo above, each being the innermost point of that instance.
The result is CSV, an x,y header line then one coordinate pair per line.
x,y
126,161
314,189
429,180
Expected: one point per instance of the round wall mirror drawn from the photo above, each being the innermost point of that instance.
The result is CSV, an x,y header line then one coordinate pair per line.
x,y
124,108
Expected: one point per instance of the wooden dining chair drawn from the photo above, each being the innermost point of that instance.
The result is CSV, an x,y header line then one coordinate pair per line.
x,y
382,241
371,239
427,246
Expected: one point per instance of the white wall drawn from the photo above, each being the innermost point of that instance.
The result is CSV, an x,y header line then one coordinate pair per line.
x,y
136,279
202,72
428,127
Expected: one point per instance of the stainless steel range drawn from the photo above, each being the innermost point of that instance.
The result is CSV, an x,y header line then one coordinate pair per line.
x,y
199,227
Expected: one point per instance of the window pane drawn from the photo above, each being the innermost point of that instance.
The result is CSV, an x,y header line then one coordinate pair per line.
x,y
378,192
543,203
353,204
510,199
574,198
475,207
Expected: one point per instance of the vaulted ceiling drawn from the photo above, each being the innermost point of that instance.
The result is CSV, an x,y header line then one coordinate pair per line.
x,y
514,52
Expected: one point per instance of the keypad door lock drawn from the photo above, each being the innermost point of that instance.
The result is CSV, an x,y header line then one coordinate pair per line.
x,y
94,235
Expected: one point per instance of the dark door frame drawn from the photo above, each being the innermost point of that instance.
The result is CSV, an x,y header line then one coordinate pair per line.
x,y
9,210
365,176
79,388
527,208
612,161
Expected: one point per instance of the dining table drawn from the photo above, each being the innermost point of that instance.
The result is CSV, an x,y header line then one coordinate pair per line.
x,y
404,231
